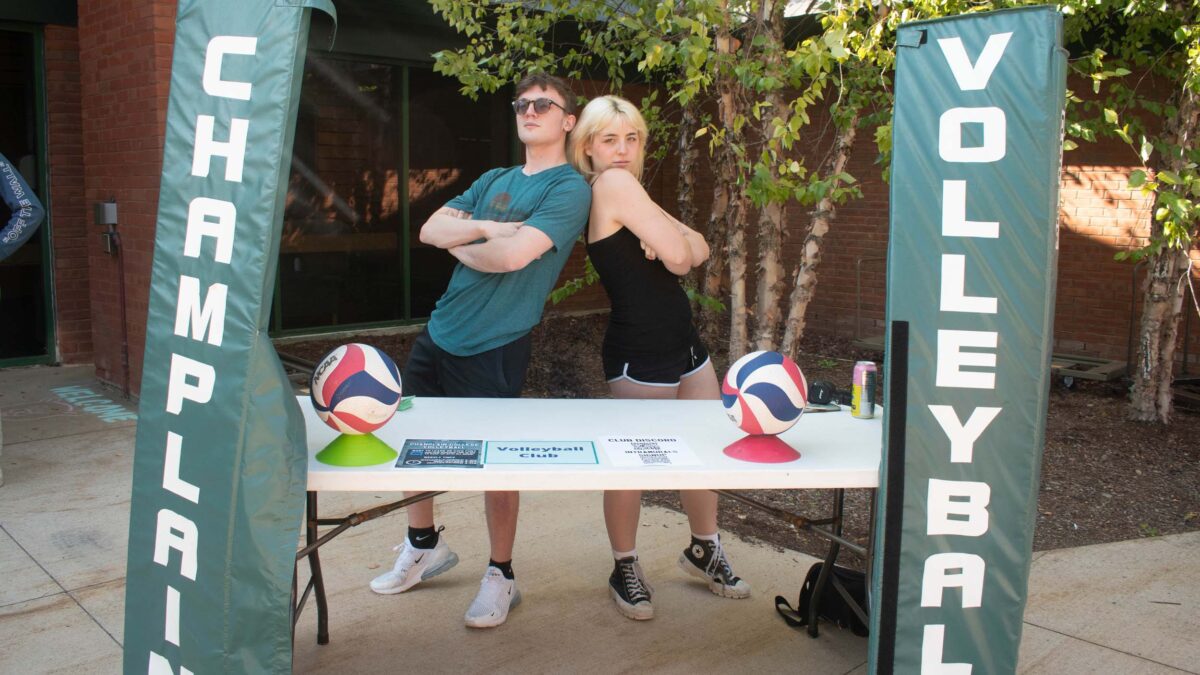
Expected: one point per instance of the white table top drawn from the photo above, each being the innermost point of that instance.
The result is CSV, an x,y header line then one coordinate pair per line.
x,y
836,450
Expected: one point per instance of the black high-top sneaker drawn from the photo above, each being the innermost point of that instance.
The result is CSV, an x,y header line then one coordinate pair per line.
x,y
630,590
706,560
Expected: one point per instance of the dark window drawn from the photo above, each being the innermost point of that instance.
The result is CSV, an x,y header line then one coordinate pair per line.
x,y
359,192
24,302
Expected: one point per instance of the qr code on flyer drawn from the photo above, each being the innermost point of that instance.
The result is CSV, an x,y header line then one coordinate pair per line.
x,y
648,451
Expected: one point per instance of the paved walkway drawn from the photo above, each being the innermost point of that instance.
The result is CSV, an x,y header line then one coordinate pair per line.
x,y
1129,607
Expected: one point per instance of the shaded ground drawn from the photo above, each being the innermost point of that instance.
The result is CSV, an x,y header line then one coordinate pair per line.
x,y
1104,478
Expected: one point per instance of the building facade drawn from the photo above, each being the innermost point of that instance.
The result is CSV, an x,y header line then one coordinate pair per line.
x,y
381,142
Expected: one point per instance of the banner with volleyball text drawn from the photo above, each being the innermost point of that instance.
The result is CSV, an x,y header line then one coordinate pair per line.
x,y
973,246
220,462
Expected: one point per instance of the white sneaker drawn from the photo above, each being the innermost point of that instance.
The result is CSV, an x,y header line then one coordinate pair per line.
x,y
497,596
413,566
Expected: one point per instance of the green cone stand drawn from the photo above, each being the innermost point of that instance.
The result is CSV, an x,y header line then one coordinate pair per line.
x,y
356,450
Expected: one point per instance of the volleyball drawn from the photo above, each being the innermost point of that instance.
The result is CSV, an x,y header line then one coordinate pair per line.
x,y
355,389
764,393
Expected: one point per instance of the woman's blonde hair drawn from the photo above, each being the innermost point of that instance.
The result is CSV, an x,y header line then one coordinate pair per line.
x,y
597,115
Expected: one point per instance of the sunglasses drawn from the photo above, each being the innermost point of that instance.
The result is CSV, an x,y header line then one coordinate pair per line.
x,y
540,105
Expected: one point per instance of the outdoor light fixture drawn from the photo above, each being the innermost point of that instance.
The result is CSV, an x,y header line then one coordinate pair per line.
x,y
106,215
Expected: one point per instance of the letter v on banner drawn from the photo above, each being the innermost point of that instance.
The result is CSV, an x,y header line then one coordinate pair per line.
x,y
978,123
220,463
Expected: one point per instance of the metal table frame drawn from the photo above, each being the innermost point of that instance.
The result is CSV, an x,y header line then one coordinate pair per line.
x,y
829,528
835,452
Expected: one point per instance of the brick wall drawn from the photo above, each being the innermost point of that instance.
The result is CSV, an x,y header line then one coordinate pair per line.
x,y
124,89
1099,216
1100,299
125,79
71,234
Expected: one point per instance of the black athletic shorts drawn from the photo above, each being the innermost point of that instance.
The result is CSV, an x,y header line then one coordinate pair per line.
x,y
663,370
496,373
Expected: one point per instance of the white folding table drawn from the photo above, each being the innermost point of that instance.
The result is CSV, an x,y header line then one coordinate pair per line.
x,y
836,451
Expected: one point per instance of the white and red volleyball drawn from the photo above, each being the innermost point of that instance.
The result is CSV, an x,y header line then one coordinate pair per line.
x,y
355,388
764,393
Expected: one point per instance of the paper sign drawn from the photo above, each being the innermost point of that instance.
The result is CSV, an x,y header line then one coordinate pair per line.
x,y
540,452
420,452
648,451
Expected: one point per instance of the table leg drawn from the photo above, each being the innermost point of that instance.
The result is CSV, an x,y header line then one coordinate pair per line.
x,y
314,559
316,583
823,579
313,542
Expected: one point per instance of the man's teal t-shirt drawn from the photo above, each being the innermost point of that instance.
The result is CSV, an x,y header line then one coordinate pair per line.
x,y
481,311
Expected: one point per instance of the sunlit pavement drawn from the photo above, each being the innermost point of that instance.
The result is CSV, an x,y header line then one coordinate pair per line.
x,y
1128,607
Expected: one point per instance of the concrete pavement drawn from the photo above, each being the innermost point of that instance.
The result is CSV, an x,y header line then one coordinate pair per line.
x,y
1128,607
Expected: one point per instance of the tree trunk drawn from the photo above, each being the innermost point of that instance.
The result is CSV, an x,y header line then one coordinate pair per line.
x,y
767,309
726,234
714,270
685,183
686,147
724,217
805,280
1150,397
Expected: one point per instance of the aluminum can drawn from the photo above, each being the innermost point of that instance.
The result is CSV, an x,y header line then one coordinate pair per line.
x,y
862,403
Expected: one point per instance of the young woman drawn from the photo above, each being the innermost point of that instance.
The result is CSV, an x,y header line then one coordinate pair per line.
x,y
651,348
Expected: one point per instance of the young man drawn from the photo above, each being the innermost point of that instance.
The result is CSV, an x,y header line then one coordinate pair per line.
x,y
511,232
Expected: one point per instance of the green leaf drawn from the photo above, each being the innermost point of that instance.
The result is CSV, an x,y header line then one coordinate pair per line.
x,y
833,40
1168,177
1110,115
1137,178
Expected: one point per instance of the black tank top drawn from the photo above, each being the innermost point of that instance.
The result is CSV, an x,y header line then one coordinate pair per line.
x,y
650,310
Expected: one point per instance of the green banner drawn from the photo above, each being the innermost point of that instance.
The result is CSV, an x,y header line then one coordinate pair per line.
x,y
971,276
220,465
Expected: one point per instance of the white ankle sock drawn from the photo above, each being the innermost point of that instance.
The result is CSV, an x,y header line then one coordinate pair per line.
x,y
617,555
714,537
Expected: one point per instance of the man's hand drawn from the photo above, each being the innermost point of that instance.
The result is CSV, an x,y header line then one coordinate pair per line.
x,y
650,253
494,230
506,254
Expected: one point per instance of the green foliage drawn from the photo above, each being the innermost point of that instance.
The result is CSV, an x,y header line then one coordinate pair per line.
x,y
1130,50
675,45
1134,48
705,301
573,286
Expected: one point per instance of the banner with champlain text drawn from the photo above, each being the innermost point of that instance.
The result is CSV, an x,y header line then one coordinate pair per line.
x,y
220,464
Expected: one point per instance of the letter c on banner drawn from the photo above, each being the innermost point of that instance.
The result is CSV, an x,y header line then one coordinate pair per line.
x,y
218,47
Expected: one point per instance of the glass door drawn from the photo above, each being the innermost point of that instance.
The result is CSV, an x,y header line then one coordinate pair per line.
x,y
26,333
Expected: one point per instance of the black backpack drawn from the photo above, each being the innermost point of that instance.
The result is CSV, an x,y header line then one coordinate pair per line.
x,y
832,605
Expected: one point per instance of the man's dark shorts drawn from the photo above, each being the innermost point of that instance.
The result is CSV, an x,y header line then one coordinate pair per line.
x,y
496,373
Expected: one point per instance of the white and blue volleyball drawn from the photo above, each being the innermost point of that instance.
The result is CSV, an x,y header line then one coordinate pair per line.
x,y
355,389
764,393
